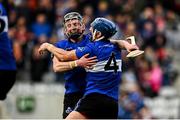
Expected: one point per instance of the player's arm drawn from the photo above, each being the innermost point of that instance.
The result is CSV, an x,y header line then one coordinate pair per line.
x,y
85,62
61,54
59,66
124,45
64,55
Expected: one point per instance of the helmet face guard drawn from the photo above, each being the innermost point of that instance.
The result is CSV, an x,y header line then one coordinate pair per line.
x,y
105,26
73,34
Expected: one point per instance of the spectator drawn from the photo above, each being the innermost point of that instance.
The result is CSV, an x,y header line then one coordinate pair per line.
x,y
41,26
131,103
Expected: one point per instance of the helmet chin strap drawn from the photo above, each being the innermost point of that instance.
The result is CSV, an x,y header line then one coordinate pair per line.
x,y
100,38
94,35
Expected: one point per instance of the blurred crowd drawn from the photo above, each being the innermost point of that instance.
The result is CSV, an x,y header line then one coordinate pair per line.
x,y
154,23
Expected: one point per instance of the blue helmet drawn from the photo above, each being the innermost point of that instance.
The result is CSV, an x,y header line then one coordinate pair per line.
x,y
105,26
72,15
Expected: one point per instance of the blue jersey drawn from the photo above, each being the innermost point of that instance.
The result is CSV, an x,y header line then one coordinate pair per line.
x,y
104,78
75,79
7,61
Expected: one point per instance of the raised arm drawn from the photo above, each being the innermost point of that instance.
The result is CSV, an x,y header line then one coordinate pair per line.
x,y
124,45
64,55
61,54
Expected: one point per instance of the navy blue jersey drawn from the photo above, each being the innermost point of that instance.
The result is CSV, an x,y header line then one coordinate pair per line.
x,y
75,79
104,78
7,61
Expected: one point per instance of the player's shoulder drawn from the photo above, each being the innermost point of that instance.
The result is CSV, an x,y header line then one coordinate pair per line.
x,y
87,36
61,43
102,42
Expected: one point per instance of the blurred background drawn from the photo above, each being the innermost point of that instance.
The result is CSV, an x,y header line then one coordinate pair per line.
x,y
150,82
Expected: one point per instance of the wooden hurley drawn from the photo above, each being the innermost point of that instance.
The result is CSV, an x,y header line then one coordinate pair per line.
x,y
134,53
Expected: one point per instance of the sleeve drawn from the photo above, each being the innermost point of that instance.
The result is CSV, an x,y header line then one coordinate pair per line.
x,y
80,51
60,44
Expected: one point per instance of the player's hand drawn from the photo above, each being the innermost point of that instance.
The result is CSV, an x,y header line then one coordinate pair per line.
x,y
130,47
43,48
86,62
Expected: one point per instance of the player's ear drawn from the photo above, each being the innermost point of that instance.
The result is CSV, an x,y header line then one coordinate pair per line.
x,y
65,30
98,34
